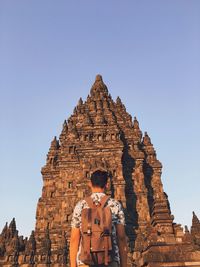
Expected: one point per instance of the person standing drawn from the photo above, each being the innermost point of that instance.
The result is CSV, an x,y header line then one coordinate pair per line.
x,y
98,201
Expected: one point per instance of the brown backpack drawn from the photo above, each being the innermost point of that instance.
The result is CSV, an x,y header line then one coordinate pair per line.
x,y
96,230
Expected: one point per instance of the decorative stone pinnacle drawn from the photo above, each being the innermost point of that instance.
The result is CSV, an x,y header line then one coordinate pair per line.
x,y
80,102
146,139
186,229
75,110
54,140
65,128
13,223
98,78
5,228
99,87
33,233
119,101
135,123
147,136
195,218
54,144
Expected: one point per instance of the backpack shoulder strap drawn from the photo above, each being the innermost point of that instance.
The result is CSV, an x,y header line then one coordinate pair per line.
x,y
89,202
104,201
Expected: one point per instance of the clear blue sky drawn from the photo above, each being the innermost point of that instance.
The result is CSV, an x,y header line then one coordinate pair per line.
x,y
50,51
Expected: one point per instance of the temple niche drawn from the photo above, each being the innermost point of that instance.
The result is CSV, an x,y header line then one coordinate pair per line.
x,y
101,134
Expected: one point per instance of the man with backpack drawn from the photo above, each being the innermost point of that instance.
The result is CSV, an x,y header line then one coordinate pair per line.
x,y
98,234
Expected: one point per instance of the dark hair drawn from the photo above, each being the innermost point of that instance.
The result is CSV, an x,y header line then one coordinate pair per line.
x,y
99,178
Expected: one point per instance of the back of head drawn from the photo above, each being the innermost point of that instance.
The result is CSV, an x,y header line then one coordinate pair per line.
x,y
99,179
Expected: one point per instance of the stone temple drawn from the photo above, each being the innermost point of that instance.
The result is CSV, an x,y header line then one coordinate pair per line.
x,y
102,135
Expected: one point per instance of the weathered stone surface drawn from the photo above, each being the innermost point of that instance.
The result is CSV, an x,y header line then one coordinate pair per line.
x,y
101,134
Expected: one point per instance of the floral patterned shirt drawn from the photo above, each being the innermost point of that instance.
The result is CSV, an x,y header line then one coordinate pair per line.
x,y
117,218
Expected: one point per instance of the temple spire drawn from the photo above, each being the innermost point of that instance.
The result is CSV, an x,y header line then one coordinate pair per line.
x,y
54,144
195,219
146,139
195,229
12,227
119,101
5,231
195,223
98,78
99,88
